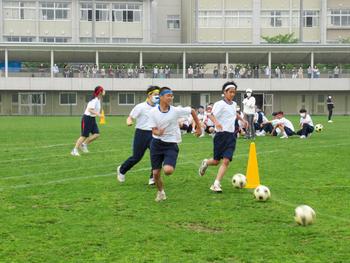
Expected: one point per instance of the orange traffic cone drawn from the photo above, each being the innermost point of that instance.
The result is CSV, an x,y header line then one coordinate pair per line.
x,y
102,118
252,174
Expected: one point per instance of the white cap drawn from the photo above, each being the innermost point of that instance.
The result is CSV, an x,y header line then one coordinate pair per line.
x,y
248,91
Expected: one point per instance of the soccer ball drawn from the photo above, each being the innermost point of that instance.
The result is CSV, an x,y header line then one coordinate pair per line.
x,y
319,127
262,193
239,181
304,215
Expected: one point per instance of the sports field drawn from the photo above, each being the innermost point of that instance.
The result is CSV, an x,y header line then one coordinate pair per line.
x,y
59,208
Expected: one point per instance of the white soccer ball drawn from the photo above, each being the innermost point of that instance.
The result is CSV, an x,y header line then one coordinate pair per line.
x,y
304,215
262,193
319,127
239,181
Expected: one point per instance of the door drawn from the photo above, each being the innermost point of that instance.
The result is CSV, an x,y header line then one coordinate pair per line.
x,y
268,104
205,99
195,100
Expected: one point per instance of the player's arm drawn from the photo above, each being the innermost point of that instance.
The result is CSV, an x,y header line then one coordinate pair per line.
x,y
238,116
94,112
157,131
129,121
197,122
215,121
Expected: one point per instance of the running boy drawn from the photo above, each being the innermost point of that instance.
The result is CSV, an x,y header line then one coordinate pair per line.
x,y
88,122
143,132
166,136
223,116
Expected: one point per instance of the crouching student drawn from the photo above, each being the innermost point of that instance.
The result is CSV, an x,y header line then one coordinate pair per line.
x,y
306,124
166,135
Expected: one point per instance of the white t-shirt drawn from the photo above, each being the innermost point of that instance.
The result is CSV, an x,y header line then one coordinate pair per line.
x,y
141,113
287,123
168,121
249,105
93,104
307,120
225,114
207,121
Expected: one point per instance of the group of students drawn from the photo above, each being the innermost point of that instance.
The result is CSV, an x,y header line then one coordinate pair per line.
x,y
157,129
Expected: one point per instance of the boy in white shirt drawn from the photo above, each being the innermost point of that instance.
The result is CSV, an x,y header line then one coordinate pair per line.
x,y
223,116
283,126
249,113
88,122
166,136
306,124
143,132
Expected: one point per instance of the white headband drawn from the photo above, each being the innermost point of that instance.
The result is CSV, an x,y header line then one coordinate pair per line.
x,y
230,86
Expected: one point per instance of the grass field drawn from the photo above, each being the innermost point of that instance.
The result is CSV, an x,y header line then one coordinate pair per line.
x,y
59,208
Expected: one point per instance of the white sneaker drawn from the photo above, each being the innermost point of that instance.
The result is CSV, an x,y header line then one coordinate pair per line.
x,y
203,167
216,188
120,176
302,137
202,135
151,181
75,152
330,121
84,148
284,137
160,196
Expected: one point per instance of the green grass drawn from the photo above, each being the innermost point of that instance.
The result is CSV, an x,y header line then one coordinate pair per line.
x,y
57,208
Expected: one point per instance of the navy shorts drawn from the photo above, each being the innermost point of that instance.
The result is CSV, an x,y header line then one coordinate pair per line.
x,y
88,125
289,131
224,145
163,153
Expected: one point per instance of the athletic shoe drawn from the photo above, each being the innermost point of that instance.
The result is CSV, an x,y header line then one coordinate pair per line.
x,y
330,121
120,176
160,196
302,137
216,188
151,181
75,152
202,135
284,137
203,167
84,148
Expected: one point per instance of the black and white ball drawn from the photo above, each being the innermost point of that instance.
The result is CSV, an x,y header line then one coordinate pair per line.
x,y
304,215
262,193
239,181
318,127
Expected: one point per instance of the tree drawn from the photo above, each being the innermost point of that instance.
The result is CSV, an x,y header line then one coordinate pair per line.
x,y
281,39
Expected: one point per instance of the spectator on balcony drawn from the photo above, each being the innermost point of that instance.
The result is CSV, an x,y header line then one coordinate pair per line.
x,y
316,72
103,72
136,71
242,72
130,72
196,71
231,72
201,72
87,71
256,72
142,72
278,72
294,73
66,71
110,71
123,72
237,70
300,73
224,72
336,72
190,72
155,72
267,72
216,72
71,72
81,71
41,70
249,72
283,72
161,72
55,70
167,72
94,71
309,72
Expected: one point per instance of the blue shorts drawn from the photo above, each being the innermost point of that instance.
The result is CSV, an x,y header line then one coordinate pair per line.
x,y
288,131
224,145
163,153
88,125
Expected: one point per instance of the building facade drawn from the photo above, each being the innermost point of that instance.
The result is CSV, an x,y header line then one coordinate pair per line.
x,y
173,21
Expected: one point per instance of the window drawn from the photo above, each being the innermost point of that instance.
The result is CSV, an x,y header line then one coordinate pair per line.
x,y
86,40
39,98
210,19
311,18
126,99
339,18
126,12
102,40
15,98
274,18
173,21
54,11
177,99
236,19
22,10
85,12
68,98
0,98
102,12
127,40
54,39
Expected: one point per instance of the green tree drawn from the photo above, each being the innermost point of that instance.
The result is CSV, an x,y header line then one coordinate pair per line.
x,y
281,39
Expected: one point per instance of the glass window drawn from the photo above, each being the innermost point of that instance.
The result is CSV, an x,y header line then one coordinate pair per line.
x,y
68,98
311,18
126,99
54,39
173,21
127,12
19,10
320,98
102,12
274,18
15,98
54,11
339,17
36,98
85,12
235,19
102,40
86,40
177,99
210,19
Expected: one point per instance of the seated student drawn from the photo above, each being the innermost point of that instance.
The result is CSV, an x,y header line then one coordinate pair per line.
x,y
268,126
306,124
259,120
283,126
201,116
186,124
209,126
